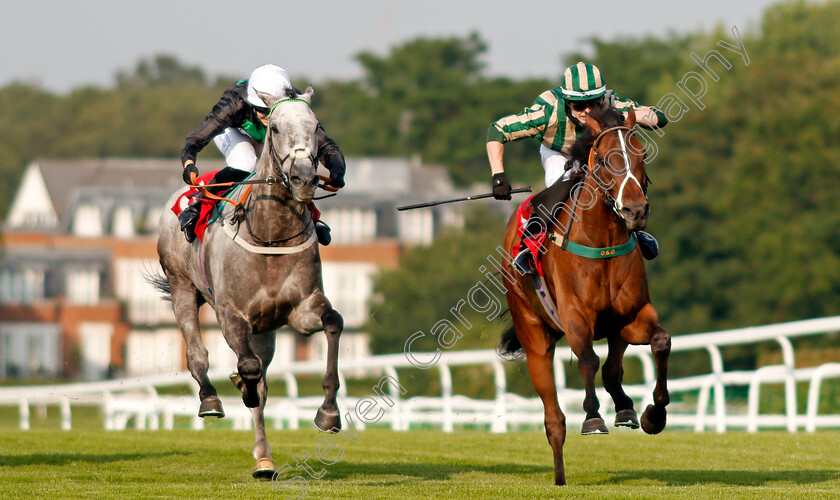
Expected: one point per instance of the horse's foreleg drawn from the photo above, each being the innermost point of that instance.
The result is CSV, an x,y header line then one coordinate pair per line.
x,y
235,330
654,416
313,314
263,347
185,305
647,330
612,373
328,419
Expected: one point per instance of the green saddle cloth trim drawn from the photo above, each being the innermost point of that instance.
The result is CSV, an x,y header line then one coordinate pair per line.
x,y
595,252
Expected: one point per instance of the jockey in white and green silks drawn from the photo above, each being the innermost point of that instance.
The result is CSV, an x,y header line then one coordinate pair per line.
x,y
237,125
557,118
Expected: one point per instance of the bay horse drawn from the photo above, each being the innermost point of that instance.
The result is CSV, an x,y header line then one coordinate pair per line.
x,y
266,277
596,298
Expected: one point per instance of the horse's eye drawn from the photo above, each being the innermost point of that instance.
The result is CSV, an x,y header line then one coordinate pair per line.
x,y
275,129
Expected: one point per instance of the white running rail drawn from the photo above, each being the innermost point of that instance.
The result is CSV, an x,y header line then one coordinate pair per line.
x,y
138,399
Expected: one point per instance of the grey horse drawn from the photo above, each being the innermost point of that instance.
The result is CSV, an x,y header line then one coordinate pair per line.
x,y
265,275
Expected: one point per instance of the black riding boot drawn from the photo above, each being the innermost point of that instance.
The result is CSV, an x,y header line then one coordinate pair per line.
x,y
323,232
648,245
189,217
545,205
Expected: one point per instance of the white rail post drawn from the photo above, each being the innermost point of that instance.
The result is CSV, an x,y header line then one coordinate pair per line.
x,y
446,389
720,396
65,413
814,393
24,414
292,392
396,419
499,423
789,360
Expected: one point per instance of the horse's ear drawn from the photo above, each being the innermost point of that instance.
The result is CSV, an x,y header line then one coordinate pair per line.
x,y
269,99
630,121
307,94
593,123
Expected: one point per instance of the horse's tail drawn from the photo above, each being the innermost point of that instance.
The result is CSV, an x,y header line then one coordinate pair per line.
x,y
509,347
160,283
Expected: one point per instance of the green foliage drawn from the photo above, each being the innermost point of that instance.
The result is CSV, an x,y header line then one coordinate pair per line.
x,y
430,281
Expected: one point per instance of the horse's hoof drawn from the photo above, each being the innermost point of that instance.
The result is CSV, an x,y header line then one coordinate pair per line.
x,y
237,381
264,469
211,406
594,425
653,419
328,421
627,418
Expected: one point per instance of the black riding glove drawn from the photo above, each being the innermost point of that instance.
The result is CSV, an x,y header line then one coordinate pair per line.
x,y
501,187
336,181
189,169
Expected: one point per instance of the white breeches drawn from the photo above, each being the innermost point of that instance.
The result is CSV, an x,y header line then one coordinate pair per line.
x,y
554,164
240,150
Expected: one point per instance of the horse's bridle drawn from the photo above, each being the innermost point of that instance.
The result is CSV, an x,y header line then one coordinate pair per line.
x,y
594,161
277,163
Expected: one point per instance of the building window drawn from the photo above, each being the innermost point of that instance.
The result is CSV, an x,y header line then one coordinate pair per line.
x,y
82,286
122,224
416,227
21,286
351,225
96,349
87,221
348,287
29,350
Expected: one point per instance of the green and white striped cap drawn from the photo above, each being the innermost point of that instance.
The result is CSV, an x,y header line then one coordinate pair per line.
x,y
582,82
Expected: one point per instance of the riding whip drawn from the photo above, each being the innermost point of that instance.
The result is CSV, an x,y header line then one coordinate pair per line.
x,y
526,189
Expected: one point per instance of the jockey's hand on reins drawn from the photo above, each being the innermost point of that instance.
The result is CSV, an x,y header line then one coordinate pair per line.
x,y
326,186
190,174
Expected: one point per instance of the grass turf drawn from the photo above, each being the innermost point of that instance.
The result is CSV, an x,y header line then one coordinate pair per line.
x,y
216,463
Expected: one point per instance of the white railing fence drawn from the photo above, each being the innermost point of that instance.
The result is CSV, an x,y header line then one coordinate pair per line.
x,y
139,400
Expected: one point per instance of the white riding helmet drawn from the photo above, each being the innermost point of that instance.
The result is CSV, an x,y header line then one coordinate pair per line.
x,y
270,79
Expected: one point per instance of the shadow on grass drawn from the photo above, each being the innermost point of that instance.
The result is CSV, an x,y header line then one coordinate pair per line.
x,y
423,471
670,477
70,458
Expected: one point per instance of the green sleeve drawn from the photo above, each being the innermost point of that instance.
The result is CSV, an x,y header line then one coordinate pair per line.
x,y
529,123
494,134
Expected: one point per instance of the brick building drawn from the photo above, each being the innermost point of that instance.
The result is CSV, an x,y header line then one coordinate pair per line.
x,y
80,236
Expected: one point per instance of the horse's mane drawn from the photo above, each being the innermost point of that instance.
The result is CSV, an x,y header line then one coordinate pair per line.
x,y
607,117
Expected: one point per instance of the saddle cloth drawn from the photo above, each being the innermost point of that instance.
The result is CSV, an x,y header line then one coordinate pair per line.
x,y
207,209
534,243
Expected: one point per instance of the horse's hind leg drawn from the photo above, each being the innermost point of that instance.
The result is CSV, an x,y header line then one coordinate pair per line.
x,y
613,375
236,330
580,340
185,304
539,356
263,347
